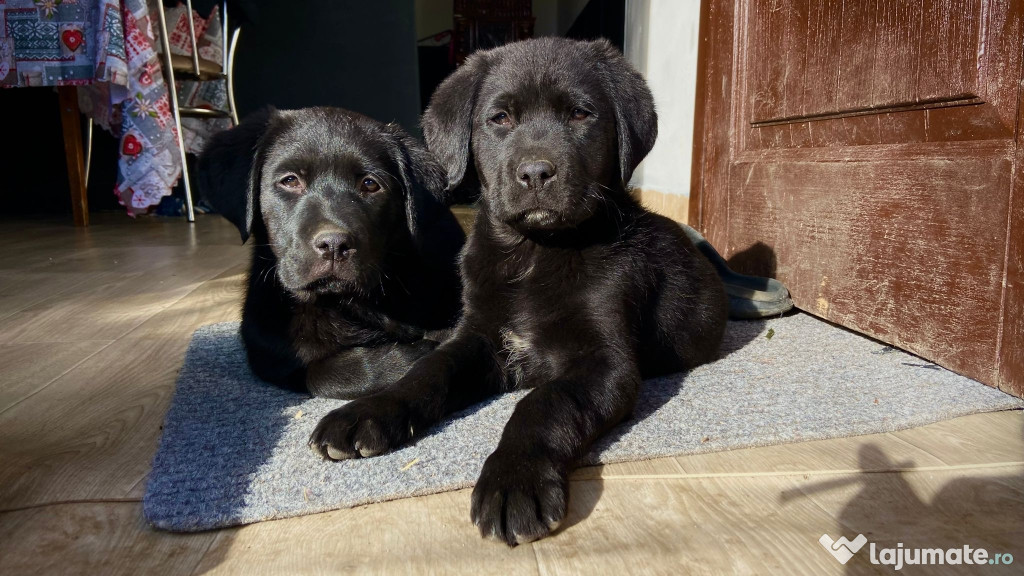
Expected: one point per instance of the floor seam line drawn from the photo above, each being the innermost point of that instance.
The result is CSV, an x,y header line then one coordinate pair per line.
x,y
698,476
213,274
183,296
199,561
58,377
50,297
916,447
119,337
71,503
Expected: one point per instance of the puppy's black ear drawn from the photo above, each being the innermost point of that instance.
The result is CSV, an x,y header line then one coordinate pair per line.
x,y
448,121
636,121
428,218
228,170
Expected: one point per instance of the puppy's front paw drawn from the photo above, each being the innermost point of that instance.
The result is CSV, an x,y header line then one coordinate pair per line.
x,y
362,428
519,500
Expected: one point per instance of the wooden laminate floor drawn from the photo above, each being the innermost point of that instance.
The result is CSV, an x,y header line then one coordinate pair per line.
x,y
93,327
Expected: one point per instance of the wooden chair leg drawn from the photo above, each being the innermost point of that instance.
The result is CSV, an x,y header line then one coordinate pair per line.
x,y
70,119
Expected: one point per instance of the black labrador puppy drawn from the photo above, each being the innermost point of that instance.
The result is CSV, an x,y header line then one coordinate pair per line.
x,y
354,266
570,287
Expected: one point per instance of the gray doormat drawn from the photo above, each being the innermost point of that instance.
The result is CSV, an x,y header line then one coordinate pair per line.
x,y
234,448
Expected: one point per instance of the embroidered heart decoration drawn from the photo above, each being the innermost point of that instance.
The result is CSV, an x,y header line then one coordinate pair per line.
x,y
72,39
131,145
145,79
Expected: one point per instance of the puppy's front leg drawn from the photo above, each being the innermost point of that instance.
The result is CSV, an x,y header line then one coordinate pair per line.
x,y
522,493
362,371
458,373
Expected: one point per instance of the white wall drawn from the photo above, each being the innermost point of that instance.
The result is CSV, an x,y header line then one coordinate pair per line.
x,y
661,41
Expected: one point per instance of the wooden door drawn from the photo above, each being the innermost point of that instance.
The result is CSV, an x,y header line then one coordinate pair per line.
x,y
867,153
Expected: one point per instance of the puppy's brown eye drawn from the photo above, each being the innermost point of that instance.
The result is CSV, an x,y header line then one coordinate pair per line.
x,y
369,185
291,182
579,114
501,119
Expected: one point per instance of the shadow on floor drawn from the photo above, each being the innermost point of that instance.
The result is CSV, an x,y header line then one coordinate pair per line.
x,y
982,512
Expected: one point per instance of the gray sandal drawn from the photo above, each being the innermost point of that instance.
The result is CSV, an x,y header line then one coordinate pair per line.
x,y
749,296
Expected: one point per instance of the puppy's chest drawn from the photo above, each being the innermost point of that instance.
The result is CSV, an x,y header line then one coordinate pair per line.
x,y
545,330
535,347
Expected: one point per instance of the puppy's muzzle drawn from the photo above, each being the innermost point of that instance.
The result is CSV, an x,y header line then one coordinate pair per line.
x,y
534,174
334,245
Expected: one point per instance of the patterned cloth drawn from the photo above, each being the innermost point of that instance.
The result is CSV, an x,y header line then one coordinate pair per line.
x,y
108,49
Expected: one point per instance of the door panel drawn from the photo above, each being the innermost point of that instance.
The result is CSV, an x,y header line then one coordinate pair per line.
x,y
869,151
805,63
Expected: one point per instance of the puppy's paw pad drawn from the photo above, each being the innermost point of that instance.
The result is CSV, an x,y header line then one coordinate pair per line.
x,y
518,502
361,429
335,454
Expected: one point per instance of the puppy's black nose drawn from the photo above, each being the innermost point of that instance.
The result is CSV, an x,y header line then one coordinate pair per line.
x,y
333,245
535,173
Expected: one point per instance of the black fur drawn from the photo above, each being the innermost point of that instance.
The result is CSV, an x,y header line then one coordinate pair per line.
x,y
348,285
569,286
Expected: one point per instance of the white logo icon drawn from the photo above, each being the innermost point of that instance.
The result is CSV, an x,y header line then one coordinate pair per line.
x,y
842,549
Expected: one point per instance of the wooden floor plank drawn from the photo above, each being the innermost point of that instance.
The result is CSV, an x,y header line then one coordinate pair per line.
x,y
977,439
688,526
833,454
129,256
91,433
426,535
110,305
19,289
657,466
91,539
27,368
465,215
42,248
208,230
216,300
45,243
933,509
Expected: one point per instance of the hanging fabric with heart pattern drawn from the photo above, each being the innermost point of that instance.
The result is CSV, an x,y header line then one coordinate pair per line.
x,y
107,49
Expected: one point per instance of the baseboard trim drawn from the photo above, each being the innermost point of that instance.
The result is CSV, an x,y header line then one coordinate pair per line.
x,y
674,206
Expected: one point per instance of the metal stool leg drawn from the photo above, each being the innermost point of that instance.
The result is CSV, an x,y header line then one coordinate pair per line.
x,y
173,93
88,149
227,59
229,77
